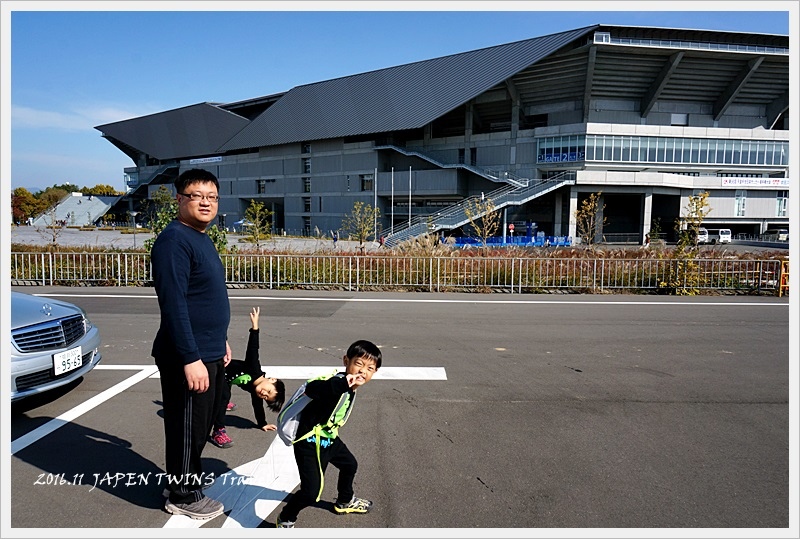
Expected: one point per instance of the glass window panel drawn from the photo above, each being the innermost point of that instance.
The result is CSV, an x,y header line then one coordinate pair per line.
x,y
694,156
669,153
626,149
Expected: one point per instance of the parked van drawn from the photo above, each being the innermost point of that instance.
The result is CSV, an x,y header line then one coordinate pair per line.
x,y
775,234
702,236
725,235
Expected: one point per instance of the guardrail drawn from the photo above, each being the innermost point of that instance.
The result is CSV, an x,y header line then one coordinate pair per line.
x,y
411,273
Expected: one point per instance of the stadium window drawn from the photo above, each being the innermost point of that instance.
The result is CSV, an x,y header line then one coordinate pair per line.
x,y
306,184
305,147
261,186
539,120
782,203
307,165
679,119
307,204
602,37
367,182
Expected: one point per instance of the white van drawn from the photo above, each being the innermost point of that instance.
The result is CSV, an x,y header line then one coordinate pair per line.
x,y
775,234
719,235
702,236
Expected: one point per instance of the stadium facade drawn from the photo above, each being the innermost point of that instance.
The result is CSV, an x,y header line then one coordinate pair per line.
x,y
645,116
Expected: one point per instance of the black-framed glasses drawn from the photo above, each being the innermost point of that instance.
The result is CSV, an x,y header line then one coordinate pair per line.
x,y
197,197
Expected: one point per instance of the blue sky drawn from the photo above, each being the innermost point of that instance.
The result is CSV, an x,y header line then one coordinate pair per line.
x,y
73,70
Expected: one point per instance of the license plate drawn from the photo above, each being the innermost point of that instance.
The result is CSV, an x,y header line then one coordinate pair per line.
x,y
67,361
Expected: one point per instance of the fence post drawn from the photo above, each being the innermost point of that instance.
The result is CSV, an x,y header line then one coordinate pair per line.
x,y
430,274
438,274
511,280
760,273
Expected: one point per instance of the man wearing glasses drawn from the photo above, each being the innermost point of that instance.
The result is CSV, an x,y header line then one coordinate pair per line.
x,y
191,347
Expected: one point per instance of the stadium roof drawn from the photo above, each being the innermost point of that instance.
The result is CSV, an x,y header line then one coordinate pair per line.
x,y
641,64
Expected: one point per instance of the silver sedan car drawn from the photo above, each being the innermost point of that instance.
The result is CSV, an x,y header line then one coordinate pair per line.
x,y
54,343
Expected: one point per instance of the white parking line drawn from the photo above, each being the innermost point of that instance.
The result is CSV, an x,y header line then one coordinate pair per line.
x,y
40,432
384,373
253,490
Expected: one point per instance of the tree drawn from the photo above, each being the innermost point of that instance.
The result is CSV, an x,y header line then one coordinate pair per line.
x,y
101,190
684,276
483,218
53,228
51,196
162,209
160,198
360,223
689,224
259,217
24,205
587,219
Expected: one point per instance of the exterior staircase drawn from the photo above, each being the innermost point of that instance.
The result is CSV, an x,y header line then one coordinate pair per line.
x,y
504,177
456,215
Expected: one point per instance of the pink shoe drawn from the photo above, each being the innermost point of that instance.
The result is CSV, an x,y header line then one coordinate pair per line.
x,y
230,407
221,439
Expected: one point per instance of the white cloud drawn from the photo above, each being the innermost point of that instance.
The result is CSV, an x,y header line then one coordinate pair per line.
x,y
80,119
28,118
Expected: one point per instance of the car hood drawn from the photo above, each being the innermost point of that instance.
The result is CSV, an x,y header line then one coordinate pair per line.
x,y
27,310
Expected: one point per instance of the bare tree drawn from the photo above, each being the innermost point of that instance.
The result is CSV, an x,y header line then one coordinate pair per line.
x,y
588,220
360,223
52,227
483,218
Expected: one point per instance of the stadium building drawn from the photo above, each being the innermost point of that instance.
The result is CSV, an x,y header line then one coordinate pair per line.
x,y
647,117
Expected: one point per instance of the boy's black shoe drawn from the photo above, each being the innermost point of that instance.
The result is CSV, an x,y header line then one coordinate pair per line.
x,y
356,505
284,523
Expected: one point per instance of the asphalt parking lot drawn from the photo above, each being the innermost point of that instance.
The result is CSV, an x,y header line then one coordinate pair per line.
x,y
539,415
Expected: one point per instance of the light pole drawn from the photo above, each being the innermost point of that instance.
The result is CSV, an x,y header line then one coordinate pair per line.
x,y
133,218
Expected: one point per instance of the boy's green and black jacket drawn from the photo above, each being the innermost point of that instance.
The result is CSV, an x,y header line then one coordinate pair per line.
x,y
325,395
244,373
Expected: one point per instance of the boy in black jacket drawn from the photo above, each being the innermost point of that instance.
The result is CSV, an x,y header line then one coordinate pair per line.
x,y
331,402
248,375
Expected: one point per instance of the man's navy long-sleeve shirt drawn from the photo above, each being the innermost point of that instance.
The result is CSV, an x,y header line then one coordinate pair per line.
x,y
189,279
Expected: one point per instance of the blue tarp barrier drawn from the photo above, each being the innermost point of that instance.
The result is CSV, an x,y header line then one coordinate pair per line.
x,y
522,241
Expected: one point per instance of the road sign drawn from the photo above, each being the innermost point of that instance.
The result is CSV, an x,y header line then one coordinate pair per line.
x,y
511,226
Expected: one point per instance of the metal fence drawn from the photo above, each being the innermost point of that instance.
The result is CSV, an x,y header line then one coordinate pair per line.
x,y
431,274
